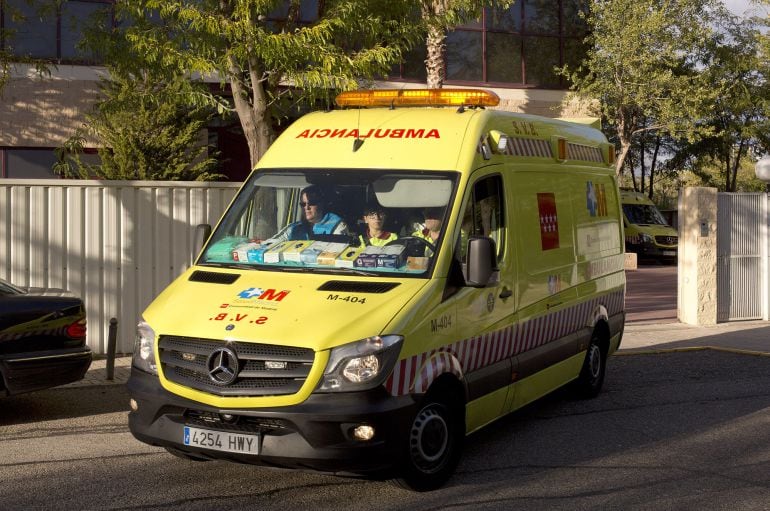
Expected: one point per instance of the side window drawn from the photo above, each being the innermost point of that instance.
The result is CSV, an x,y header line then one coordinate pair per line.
x,y
483,215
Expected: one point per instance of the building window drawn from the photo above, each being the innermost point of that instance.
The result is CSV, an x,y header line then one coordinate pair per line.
x,y
51,30
515,47
28,163
36,163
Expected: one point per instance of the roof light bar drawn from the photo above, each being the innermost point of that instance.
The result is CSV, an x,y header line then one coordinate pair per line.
x,y
417,97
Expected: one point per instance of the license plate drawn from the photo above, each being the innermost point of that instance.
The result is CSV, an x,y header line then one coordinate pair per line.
x,y
221,440
669,252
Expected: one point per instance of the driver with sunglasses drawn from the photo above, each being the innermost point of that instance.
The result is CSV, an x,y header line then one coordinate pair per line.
x,y
315,220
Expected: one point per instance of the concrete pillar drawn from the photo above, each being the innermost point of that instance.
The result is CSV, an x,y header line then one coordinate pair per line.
x,y
697,297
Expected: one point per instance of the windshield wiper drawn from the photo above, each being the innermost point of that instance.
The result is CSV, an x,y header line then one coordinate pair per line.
x,y
354,271
233,266
293,269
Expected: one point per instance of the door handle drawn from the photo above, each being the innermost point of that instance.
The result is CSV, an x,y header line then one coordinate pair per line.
x,y
505,293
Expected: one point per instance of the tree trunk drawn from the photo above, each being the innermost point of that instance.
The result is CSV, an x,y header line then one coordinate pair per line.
x,y
631,163
253,110
625,146
434,63
727,167
737,164
653,164
642,166
254,113
624,137
434,44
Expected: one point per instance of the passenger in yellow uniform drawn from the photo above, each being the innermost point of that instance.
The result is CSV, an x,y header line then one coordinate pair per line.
x,y
374,217
433,224
432,230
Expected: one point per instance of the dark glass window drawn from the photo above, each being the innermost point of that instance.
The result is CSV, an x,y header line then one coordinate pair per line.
x,y
574,24
414,64
30,163
51,30
463,56
31,32
520,46
508,20
541,17
308,11
75,18
36,163
504,58
540,71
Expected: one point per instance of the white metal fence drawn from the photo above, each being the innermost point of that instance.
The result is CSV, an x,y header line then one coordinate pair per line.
x,y
742,256
114,243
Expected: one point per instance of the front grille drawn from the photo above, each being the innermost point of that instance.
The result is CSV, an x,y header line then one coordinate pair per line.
x,y
237,423
185,361
667,240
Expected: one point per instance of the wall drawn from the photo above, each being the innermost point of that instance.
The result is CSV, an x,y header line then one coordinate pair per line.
x,y
697,257
45,111
114,243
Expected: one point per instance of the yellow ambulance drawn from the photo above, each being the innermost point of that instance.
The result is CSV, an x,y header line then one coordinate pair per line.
x,y
394,275
647,233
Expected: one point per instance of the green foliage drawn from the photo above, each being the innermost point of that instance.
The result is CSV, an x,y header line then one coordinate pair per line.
x,y
736,122
144,131
644,62
260,58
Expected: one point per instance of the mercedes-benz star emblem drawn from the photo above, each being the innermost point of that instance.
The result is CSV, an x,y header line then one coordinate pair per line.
x,y
222,366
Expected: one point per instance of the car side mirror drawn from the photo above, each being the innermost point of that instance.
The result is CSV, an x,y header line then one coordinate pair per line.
x,y
202,234
482,261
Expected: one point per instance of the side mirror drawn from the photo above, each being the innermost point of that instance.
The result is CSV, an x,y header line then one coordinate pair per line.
x,y
482,261
202,234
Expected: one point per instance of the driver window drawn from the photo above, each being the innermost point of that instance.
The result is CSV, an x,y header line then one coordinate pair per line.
x,y
483,215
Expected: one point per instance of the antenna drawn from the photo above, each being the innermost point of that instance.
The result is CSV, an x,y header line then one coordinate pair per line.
x,y
358,142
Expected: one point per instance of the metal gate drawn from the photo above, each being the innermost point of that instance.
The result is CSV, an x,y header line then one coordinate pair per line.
x,y
741,255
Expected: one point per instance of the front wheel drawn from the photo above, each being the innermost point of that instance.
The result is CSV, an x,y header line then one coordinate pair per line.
x,y
434,445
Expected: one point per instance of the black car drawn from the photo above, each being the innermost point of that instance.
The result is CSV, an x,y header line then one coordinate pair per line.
x,y
42,339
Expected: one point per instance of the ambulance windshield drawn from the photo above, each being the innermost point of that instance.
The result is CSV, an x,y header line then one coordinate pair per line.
x,y
643,214
367,222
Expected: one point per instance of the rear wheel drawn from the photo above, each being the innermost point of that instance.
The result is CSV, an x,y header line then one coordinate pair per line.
x,y
591,379
434,445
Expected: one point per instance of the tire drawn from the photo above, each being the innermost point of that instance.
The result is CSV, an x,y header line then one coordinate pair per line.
x,y
433,446
589,383
183,455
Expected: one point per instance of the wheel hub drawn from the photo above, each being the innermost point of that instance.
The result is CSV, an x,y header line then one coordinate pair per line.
x,y
595,361
428,439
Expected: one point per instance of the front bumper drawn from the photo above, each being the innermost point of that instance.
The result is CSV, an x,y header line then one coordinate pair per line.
x,y
316,434
652,250
27,372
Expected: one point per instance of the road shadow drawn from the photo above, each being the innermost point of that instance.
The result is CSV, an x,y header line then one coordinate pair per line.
x,y
63,403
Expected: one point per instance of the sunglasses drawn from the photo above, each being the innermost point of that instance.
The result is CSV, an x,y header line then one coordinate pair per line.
x,y
304,204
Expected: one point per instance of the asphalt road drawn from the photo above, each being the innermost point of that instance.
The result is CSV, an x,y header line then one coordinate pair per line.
x,y
670,431
651,294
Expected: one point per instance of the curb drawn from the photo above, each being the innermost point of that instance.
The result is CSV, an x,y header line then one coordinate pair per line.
x,y
692,349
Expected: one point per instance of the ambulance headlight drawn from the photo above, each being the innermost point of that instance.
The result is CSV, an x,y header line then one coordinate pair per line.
x,y
144,349
646,238
361,365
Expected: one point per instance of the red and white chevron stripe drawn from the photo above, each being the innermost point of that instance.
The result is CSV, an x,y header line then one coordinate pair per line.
x,y
416,373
